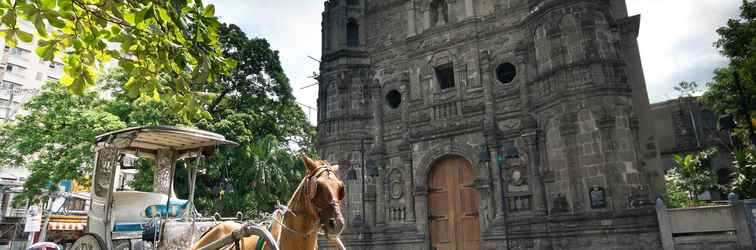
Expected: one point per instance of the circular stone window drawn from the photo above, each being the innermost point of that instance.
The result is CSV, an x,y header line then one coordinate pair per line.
x,y
506,72
394,99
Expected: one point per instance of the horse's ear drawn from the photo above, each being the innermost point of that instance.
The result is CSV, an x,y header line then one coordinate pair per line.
x,y
335,168
309,163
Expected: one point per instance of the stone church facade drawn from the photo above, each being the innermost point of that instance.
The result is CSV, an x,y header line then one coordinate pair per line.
x,y
489,124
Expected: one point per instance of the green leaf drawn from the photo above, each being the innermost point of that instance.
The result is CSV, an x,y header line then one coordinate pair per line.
x,y
45,50
129,18
10,38
209,10
54,20
9,19
230,63
116,11
25,36
48,4
164,15
39,24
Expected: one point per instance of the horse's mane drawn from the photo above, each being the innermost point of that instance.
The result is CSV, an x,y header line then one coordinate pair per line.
x,y
297,199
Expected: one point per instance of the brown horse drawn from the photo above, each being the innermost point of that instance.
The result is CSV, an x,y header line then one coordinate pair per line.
x,y
314,207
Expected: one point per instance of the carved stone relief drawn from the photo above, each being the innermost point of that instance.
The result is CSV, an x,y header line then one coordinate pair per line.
x,y
395,184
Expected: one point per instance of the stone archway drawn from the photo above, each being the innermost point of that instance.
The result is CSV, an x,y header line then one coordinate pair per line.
x,y
453,221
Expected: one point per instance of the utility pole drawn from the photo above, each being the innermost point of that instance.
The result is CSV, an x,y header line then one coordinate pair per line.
x,y
744,109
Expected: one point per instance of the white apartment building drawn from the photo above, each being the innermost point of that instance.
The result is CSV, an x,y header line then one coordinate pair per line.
x,y
22,74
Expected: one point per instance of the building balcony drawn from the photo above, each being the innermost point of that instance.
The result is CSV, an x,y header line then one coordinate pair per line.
x,y
15,212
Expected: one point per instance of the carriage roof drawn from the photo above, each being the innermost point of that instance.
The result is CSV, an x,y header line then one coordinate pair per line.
x,y
150,139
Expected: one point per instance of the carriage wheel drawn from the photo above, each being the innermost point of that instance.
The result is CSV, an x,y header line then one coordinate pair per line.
x,y
88,242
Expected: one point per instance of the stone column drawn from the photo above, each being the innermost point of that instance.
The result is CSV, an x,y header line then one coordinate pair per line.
x,y
740,219
411,210
378,151
410,7
665,225
421,200
568,129
498,182
380,191
469,9
370,202
534,173
161,182
648,146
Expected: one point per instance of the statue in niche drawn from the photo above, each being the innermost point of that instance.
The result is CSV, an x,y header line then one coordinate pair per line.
x,y
518,180
639,197
560,204
439,13
518,168
522,150
598,197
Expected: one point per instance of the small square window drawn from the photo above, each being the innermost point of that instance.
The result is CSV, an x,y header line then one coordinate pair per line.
x,y
445,76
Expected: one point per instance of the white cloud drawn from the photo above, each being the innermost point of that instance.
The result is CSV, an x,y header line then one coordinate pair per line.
x,y
676,41
676,38
292,27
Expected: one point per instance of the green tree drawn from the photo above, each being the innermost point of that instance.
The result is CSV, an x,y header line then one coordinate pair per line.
x,y
743,180
55,139
254,106
737,42
151,40
693,175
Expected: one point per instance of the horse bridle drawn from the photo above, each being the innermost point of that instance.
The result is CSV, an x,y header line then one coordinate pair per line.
x,y
310,193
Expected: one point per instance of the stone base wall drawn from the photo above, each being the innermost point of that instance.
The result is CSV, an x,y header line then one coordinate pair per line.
x,y
630,230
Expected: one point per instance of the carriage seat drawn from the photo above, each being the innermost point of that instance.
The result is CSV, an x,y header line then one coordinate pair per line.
x,y
132,209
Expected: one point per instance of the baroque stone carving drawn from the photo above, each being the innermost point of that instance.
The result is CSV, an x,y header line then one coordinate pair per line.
x,y
519,203
395,184
508,125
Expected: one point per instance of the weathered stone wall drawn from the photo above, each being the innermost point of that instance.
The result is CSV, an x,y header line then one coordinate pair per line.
x,y
567,126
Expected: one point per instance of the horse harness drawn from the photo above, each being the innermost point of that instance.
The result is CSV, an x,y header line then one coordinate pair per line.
x,y
310,193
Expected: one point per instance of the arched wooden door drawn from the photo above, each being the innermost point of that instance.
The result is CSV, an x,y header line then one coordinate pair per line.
x,y
453,206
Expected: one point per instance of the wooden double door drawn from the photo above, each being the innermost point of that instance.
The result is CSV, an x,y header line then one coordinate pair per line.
x,y
453,206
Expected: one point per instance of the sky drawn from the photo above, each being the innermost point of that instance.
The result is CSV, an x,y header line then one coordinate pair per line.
x,y
676,39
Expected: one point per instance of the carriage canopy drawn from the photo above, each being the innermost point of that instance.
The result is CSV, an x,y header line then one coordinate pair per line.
x,y
147,140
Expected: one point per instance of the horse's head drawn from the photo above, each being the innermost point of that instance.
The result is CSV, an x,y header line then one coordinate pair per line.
x,y
325,192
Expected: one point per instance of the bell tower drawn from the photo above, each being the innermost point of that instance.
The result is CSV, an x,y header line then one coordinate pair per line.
x,y
345,97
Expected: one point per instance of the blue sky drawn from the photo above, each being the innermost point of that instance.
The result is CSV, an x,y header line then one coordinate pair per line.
x,y
676,38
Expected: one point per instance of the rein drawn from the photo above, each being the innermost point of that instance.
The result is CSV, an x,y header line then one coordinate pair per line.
x,y
310,183
291,230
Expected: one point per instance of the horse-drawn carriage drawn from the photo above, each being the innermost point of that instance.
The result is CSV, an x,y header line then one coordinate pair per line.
x,y
123,219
